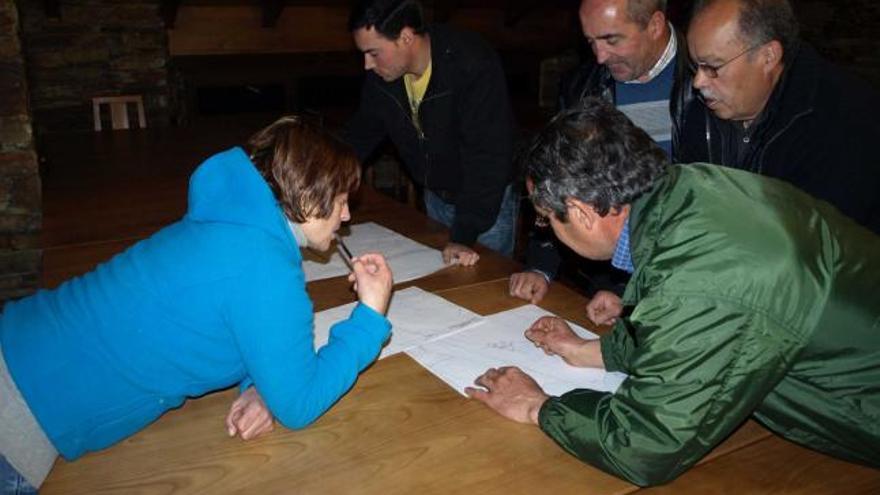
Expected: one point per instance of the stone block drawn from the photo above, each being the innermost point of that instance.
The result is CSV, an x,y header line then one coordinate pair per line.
x,y
19,163
13,89
8,16
24,194
20,262
13,100
19,223
19,242
128,16
15,133
16,286
143,41
12,72
10,46
75,52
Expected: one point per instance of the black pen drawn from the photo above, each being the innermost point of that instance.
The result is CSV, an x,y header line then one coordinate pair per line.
x,y
344,252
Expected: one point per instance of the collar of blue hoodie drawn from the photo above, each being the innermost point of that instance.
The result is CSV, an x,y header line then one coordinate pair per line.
x,y
227,188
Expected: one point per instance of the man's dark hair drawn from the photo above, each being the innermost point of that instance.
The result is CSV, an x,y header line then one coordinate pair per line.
x,y
640,11
595,154
387,17
762,21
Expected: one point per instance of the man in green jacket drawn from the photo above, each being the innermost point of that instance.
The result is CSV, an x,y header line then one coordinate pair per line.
x,y
747,298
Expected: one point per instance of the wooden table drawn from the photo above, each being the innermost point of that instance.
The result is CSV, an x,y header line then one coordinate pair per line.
x,y
400,429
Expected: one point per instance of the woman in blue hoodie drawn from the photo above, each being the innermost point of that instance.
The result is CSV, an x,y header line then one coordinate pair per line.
x,y
214,300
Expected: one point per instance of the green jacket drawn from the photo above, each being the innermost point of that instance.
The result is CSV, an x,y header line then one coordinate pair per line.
x,y
749,298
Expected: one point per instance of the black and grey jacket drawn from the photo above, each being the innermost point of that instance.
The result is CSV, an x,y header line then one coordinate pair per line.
x,y
592,79
462,147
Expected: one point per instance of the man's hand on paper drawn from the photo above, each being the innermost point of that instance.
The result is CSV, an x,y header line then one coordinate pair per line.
x,y
531,286
604,308
555,337
372,280
248,416
509,392
459,254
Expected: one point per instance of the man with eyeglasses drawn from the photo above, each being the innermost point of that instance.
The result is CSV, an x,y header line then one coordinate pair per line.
x,y
640,60
441,97
771,105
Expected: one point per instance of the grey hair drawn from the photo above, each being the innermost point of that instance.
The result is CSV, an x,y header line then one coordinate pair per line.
x,y
640,11
595,154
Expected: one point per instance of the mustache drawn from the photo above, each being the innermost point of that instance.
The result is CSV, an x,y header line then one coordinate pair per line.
x,y
704,95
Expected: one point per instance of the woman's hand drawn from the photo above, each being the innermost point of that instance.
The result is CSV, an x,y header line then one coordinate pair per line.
x,y
372,280
249,417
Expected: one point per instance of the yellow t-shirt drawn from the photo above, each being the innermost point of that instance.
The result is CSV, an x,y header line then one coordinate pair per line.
x,y
415,89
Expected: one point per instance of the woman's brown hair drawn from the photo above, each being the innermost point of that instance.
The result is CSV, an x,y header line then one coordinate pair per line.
x,y
305,166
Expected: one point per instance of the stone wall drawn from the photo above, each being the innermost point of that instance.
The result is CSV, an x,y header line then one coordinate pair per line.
x,y
97,47
20,217
93,48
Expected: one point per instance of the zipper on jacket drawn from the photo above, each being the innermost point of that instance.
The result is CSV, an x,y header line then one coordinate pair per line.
x,y
420,134
423,139
775,136
709,136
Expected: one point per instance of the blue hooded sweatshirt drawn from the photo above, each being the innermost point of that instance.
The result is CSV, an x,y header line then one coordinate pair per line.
x,y
216,299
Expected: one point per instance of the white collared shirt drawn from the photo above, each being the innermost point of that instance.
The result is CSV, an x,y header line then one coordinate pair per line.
x,y
667,56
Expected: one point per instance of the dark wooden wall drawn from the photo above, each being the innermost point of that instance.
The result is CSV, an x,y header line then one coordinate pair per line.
x,y
76,49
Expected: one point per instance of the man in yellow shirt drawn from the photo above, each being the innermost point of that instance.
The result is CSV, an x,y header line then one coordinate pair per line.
x,y
441,97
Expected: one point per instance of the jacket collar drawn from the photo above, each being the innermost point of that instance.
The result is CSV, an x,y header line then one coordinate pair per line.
x,y
799,85
644,229
794,94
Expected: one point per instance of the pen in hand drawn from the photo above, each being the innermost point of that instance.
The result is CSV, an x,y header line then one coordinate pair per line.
x,y
344,252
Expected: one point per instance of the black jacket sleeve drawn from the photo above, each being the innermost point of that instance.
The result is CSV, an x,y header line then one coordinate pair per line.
x,y
365,130
542,254
486,144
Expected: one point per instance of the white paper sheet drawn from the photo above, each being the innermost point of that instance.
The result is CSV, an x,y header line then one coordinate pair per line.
x,y
417,317
407,258
461,357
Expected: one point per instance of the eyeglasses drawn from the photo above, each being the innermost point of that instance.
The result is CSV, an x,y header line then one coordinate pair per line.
x,y
711,71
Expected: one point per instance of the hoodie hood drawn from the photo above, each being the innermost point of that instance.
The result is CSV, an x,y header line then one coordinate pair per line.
x,y
227,188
